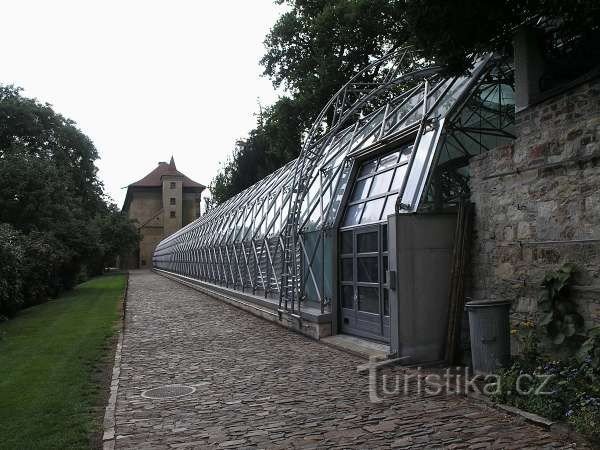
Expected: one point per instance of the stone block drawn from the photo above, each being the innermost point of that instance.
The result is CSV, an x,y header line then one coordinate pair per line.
x,y
526,305
547,209
558,203
504,271
509,234
524,230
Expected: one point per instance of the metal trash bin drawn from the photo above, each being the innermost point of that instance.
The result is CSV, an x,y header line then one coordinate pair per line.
x,y
490,335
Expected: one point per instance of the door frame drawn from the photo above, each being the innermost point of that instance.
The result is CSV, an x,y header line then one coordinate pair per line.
x,y
380,320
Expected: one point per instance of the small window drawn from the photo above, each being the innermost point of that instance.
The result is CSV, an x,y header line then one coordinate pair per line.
x,y
347,267
172,200
347,245
376,188
348,297
372,211
367,269
172,214
368,299
173,185
367,242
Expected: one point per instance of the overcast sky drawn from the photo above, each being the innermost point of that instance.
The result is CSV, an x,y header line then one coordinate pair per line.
x,y
144,79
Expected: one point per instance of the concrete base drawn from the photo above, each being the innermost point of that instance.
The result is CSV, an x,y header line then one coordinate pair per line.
x,y
358,346
310,322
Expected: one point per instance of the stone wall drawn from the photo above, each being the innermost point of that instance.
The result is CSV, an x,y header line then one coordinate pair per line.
x,y
538,205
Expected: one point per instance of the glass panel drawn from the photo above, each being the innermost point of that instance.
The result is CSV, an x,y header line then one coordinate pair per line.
x,y
353,214
398,177
386,303
368,168
381,183
314,220
372,210
385,238
405,109
338,195
385,268
361,189
388,161
367,129
405,153
451,96
429,141
347,242
368,299
328,265
367,269
366,242
390,205
348,297
347,269
437,91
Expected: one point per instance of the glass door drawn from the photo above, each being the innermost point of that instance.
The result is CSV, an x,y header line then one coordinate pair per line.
x,y
364,305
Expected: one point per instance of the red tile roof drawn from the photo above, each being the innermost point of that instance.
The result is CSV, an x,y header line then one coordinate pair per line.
x,y
154,178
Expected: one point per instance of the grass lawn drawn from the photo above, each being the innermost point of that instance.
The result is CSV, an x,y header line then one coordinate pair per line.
x,y
53,367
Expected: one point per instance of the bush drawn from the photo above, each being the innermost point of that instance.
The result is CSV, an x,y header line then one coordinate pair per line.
x,y
11,282
567,389
571,393
33,268
43,268
59,227
586,420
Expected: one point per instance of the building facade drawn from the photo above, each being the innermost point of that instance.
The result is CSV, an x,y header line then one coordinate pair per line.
x,y
421,191
160,203
356,236
537,201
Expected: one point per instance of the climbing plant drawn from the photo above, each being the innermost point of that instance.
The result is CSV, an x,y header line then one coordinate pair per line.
x,y
561,320
590,349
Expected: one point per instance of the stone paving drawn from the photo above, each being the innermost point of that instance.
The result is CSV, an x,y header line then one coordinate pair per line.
x,y
261,386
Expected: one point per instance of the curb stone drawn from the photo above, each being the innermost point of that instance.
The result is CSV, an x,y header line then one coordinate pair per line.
x,y
108,437
560,429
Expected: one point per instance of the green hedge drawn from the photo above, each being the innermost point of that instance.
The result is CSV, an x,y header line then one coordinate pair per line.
x,y
12,254
33,268
57,226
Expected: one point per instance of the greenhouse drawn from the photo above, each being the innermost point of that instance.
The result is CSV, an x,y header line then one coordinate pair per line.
x,y
355,236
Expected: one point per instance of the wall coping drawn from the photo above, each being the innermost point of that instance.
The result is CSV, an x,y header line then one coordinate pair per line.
x,y
561,89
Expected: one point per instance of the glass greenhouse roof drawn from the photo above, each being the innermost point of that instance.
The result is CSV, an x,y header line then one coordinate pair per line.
x,y
410,123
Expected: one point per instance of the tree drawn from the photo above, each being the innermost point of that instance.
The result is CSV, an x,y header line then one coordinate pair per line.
x,y
116,236
275,141
11,283
54,215
453,33
312,50
30,127
318,45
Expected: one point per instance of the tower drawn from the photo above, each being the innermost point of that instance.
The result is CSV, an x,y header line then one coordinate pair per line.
x,y
160,203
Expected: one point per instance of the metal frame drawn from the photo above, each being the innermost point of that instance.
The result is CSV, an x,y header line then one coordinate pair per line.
x,y
253,242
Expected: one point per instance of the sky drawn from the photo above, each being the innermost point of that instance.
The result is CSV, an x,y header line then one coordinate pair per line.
x,y
144,79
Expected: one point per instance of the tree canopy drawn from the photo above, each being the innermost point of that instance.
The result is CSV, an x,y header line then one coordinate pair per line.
x,y
56,224
311,51
453,33
318,45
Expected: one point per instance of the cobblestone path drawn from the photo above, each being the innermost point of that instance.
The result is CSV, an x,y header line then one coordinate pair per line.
x,y
262,386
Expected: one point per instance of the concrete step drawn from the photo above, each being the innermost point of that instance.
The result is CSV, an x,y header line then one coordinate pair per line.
x,y
357,346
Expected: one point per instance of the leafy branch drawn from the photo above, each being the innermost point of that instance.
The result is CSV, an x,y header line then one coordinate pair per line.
x,y
561,319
